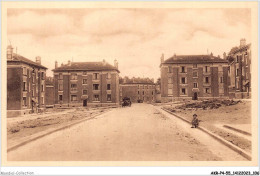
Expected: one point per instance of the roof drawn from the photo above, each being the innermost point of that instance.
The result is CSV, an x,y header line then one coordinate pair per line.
x,y
19,58
146,83
240,48
194,59
87,66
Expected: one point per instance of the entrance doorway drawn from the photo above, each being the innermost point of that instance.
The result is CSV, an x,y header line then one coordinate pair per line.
x,y
195,96
85,103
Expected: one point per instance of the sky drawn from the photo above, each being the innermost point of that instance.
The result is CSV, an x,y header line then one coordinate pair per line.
x,y
135,37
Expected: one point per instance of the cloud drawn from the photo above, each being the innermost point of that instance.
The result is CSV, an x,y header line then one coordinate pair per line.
x,y
39,25
136,37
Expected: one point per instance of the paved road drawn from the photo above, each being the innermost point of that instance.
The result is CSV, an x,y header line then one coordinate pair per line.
x,y
137,133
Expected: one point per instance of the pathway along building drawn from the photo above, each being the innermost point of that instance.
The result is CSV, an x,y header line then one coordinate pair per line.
x,y
193,77
25,84
86,84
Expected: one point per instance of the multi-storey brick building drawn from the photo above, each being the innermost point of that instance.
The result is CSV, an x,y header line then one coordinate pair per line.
x,y
240,71
49,100
25,84
86,84
193,77
142,90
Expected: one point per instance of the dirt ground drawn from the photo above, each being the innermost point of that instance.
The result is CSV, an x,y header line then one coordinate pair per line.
x,y
24,126
137,133
235,114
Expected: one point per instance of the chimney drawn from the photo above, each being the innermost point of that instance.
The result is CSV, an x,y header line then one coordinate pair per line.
x,y
9,52
38,59
174,56
242,42
224,55
61,64
116,63
69,63
56,64
162,58
104,62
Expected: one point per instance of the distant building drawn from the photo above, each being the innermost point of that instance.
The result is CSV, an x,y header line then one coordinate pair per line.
x,y
25,84
49,98
240,70
86,84
138,90
193,77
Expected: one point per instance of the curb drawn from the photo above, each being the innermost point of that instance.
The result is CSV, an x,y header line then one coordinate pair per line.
x,y
221,140
38,136
237,130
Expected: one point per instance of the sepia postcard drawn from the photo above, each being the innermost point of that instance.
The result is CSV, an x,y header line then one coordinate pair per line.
x,y
129,84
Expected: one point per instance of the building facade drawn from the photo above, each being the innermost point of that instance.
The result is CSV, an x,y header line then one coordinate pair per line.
x,y
138,92
240,71
49,92
25,84
86,84
193,77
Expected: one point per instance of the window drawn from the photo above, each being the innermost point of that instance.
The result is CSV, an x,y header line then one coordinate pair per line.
x,y
169,80
73,97
152,92
206,79
206,69
85,92
143,92
95,86
24,71
33,80
183,91
42,88
60,97
43,76
183,80
108,97
42,100
73,87
182,69
95,76
84,73
138,92
237,58
84,81
74,76
207,90
96,97
108,75
237,72
24,101
195,65
108,87
195,85
221,79
60,87
24,86
195,74
169,69
60,75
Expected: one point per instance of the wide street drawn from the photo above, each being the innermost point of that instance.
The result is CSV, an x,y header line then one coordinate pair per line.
x,y
137,133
